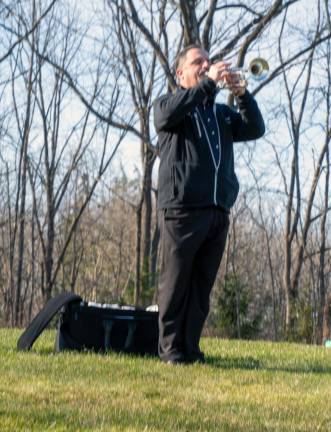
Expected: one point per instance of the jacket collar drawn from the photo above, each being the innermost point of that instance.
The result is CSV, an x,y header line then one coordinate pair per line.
x,y
210,99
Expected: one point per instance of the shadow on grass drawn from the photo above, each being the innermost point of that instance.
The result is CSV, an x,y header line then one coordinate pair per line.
x,y
251,363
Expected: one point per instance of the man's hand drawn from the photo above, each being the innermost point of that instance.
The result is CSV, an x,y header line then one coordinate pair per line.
x,y
220,72
236,84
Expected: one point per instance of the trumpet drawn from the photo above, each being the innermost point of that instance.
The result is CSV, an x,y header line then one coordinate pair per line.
x,y
258,70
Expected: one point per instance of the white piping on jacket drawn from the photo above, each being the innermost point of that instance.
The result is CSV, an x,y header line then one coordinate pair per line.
x,y
198,126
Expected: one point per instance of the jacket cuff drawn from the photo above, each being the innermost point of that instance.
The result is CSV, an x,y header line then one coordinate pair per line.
x,y
244,100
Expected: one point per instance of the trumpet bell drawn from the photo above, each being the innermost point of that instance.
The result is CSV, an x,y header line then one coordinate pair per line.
x,y
258,69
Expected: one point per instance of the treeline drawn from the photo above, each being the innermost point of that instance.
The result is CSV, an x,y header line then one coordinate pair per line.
x,y
77,84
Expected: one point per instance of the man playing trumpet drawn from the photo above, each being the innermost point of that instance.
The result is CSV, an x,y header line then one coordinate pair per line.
x,y
197,188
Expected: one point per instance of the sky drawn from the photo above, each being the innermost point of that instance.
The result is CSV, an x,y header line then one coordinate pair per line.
x,y
271,97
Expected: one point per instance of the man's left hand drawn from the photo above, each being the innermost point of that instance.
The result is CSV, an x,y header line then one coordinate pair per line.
x,y
236,84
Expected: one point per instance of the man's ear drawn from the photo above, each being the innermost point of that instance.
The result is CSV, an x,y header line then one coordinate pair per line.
x,y
179,74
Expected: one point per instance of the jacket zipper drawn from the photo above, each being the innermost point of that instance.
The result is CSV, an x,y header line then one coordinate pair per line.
x,y
198,126
216,165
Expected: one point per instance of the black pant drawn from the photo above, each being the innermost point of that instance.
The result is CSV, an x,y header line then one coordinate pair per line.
x,y
192,245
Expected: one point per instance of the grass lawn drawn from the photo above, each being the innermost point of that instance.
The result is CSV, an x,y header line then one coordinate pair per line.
x,y
245,386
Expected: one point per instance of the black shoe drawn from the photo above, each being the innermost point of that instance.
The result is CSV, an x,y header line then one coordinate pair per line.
x,y
175,359
176,362
200,360
196,358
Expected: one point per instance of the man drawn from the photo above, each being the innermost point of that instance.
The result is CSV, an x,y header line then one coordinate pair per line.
x,y
197,188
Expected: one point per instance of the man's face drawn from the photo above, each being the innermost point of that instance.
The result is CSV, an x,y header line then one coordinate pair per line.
x,y
193,67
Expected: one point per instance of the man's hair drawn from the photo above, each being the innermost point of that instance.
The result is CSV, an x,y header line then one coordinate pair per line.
x,y
182,55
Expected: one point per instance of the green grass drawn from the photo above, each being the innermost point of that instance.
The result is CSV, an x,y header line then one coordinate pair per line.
x,y
245,386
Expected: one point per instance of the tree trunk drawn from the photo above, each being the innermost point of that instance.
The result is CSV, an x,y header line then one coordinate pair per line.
x,y
148,210
321,273
137,282
154,256
21,216
327,319
191,28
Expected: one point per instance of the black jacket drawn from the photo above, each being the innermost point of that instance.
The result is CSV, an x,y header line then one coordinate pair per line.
x,y
196,146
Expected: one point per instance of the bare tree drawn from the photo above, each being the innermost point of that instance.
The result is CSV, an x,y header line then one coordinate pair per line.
x,y
323,292
299,211
75,95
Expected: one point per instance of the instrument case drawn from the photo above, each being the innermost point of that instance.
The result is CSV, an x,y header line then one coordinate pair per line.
x,y
97,327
